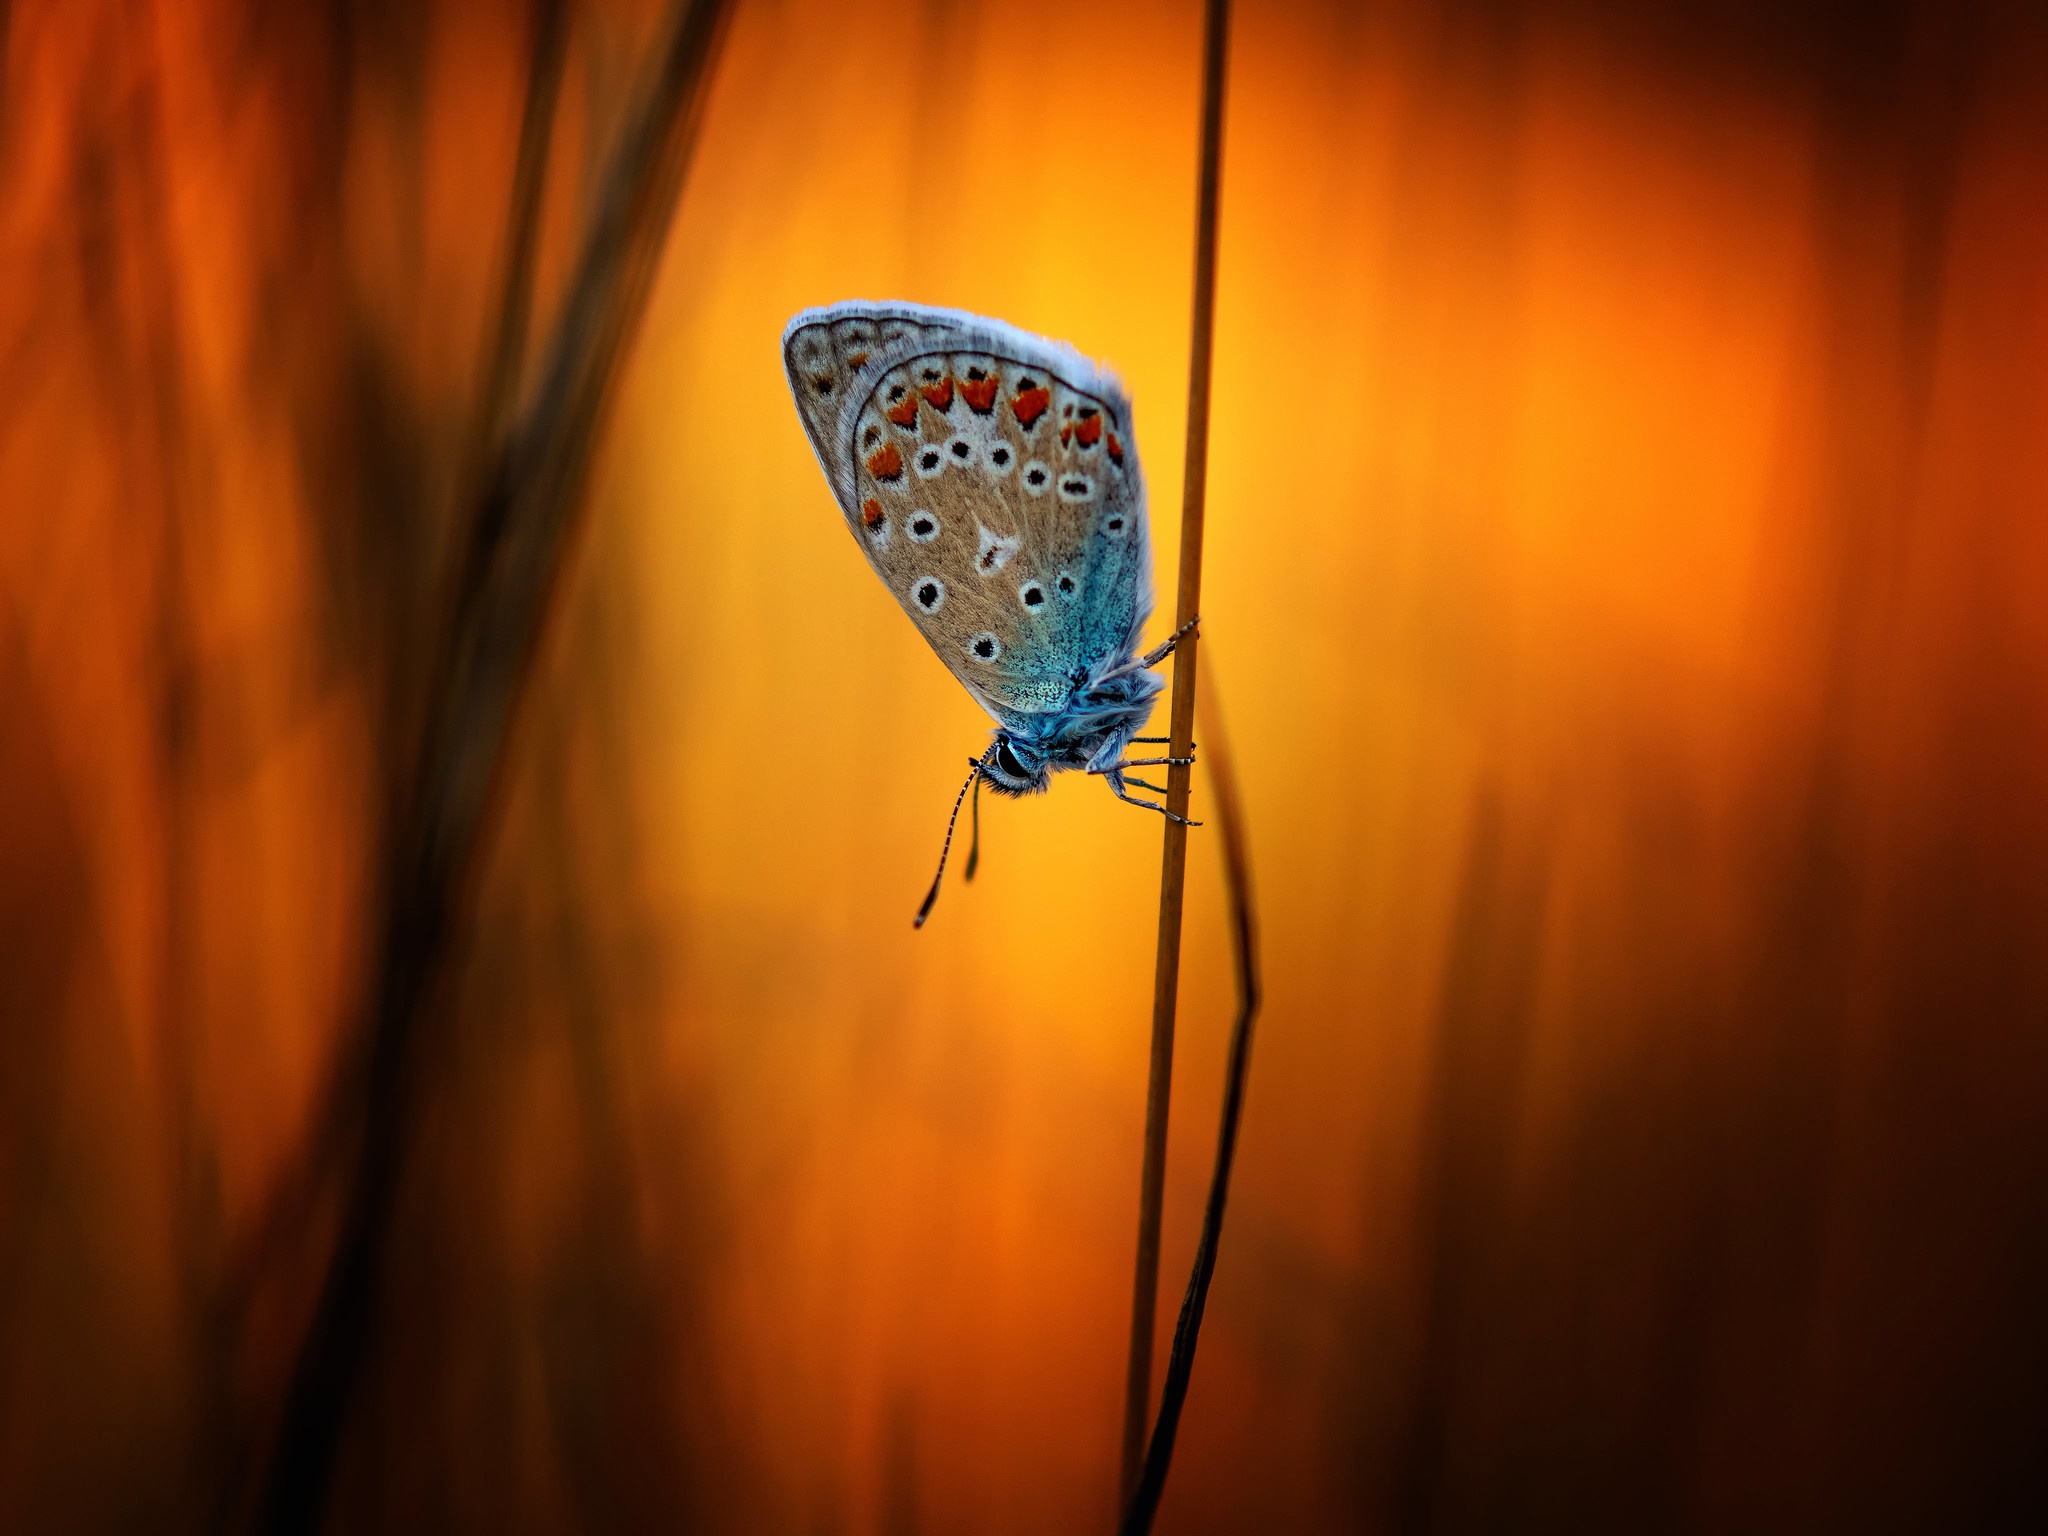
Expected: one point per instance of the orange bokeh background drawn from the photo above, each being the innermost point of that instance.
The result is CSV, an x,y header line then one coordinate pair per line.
x,y
1623,587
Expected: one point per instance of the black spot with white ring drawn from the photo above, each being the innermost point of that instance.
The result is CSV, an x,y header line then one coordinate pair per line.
x,y
930,461
1114,525
929,593
1036,478
961,451
1032,595
923,526
985,647
1000,458
1065,585
1076,488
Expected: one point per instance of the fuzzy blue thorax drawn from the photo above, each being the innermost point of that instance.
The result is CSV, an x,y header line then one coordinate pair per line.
x,y
1089,732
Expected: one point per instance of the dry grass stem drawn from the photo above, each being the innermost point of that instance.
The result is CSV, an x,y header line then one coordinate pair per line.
x,y
1173,863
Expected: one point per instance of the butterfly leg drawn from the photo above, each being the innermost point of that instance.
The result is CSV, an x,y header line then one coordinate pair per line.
x,y
1142,762
1115,782
1155,741
1153,657
1164,648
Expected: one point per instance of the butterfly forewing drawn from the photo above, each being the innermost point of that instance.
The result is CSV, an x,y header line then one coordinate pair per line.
x,y
991,480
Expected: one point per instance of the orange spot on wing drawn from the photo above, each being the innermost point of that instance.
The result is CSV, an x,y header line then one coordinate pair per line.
x,y
1066,435
940,394
871,513
1089,430
981,394
1031,404
885,463
1116,449
856,360
904,415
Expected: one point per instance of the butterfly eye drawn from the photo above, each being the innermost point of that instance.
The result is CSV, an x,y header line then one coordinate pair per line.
x,y
985,646
930,462
1065,584
1011,764
1076,488
929,593
924,527
1031,595
1036,478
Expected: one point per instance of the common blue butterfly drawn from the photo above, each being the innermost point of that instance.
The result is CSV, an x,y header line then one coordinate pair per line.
x,y
991,478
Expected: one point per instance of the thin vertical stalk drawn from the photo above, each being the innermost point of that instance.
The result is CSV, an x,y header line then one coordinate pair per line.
x,y
1173,862
1143,1501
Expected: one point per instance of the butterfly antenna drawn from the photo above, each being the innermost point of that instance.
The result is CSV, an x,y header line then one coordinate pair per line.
x,y
931,896
974,823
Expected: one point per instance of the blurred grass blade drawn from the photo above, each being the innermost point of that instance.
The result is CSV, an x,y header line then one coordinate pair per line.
x,y
531,491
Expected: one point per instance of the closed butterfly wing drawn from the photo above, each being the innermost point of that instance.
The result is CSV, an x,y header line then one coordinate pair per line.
x,y
992,481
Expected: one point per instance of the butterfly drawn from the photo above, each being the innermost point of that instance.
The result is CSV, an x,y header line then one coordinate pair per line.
x,y
991,478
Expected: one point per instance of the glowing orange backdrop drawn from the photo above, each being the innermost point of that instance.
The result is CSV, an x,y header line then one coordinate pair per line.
x,y
1624,588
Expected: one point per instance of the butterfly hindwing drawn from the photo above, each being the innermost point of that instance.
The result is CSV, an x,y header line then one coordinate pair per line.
x,y
992,481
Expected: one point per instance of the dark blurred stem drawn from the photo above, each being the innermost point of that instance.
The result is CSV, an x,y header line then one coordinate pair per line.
x,y
526,507
514,306
1143,1502
1173,862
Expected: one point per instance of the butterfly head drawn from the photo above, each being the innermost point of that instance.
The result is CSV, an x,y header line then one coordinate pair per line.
x,y
1015,765
1093,726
